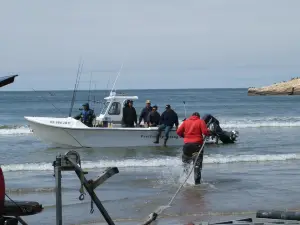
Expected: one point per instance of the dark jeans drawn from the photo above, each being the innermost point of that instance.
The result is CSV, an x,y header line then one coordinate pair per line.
x,y
167,130
189,154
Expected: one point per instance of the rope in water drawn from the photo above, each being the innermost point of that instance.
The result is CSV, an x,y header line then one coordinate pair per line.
x,y
153,216
189,174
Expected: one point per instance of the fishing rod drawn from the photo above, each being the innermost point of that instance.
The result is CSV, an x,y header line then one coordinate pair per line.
x,y
90,87
107,85
184,109
50,103
76,86
92,96
101,112
117,78
114,84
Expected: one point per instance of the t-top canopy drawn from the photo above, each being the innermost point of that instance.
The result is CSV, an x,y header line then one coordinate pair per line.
x,y
7,80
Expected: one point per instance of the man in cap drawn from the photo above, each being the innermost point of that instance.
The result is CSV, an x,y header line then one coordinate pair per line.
x,y
145,112
167,120
153,117
86,116
192,130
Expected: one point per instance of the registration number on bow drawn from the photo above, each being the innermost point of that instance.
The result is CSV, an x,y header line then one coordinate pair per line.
x,y
59,122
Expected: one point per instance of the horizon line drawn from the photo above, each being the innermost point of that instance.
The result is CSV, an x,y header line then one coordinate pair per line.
x,y
133,89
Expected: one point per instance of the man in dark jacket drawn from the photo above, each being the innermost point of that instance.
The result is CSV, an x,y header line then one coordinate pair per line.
x,y
145,112
86,116
167,120
192,130
153,117
129,114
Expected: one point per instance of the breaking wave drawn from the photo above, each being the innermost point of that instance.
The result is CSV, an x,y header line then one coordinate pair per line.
x,y
155,162
14,130
260,122
29,190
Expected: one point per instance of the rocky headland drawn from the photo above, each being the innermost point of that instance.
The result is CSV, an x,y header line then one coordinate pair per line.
x,y
291,87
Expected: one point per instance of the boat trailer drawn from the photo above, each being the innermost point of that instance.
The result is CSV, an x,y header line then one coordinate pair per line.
x,y
71,162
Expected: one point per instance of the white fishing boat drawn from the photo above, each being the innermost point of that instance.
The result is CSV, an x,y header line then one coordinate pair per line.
x,y
106,132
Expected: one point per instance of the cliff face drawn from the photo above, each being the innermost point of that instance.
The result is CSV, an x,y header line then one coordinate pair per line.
x,y
291,87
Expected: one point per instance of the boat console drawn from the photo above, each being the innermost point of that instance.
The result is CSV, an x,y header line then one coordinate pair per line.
x,y
112,112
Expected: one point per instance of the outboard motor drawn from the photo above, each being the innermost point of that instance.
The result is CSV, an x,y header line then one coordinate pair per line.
x,y
228,137
234,134
217,132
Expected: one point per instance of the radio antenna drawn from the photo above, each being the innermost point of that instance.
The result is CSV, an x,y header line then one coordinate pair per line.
x,y
116,79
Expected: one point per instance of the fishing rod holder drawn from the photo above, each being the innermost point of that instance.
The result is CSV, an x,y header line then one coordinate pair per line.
x,y
71,162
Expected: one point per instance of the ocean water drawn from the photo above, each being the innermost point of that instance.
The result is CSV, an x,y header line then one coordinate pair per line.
x,y
260,171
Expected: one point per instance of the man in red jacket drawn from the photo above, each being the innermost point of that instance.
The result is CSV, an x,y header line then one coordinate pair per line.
x,y
192,130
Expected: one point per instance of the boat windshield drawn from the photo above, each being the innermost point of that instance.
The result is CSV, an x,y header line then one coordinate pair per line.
x,y
105,106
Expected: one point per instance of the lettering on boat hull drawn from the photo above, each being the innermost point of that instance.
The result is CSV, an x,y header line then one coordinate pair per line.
x,y
153,136
59,122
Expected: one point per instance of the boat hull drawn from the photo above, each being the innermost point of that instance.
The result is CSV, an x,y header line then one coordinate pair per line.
x,y
100,137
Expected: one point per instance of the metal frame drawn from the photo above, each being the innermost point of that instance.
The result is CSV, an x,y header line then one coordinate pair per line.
x,y
71,161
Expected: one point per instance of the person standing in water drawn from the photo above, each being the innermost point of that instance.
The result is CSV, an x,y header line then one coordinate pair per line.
x,y
192,130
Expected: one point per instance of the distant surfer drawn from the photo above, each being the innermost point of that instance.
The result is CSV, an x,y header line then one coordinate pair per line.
x,y
192,130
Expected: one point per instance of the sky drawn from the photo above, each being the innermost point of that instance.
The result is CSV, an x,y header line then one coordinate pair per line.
x,y
161,43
